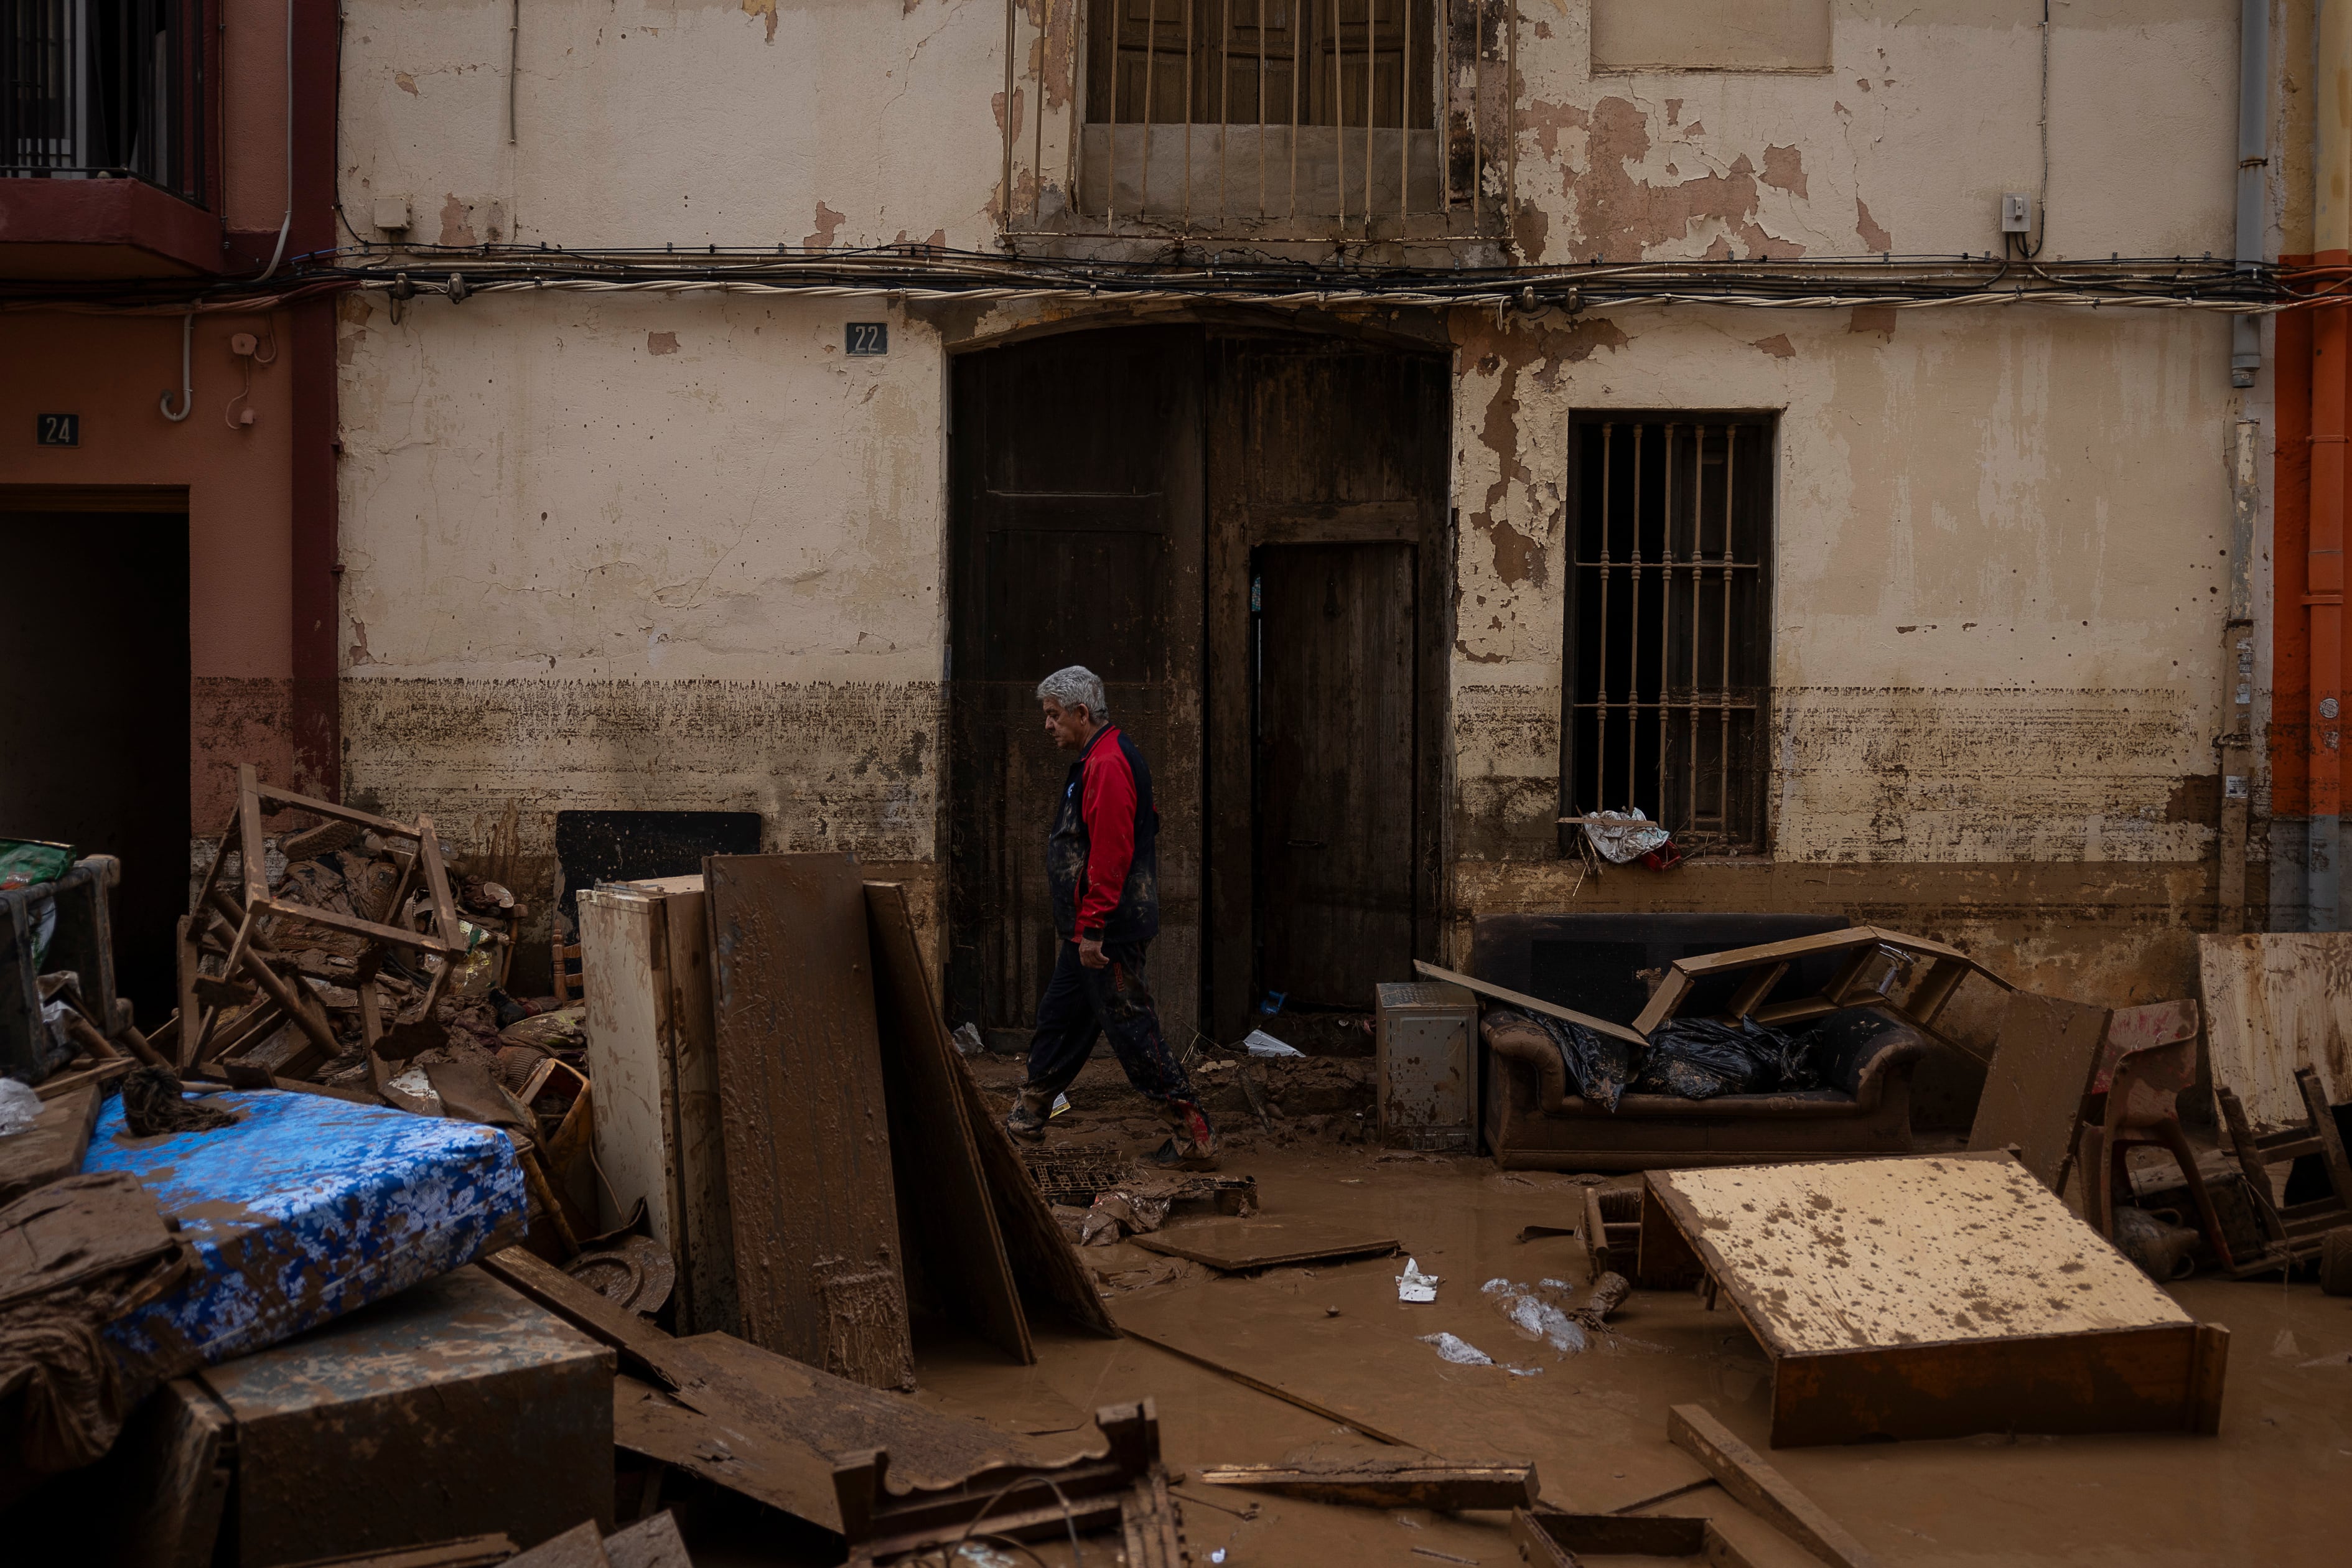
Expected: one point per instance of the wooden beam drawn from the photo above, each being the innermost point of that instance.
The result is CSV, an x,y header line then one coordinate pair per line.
x,y
253,858
1746,1476
335,920
436,882
340,813
1533,1004
1437,1484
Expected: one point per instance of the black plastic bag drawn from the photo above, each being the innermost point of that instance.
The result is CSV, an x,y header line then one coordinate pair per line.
x,y
1602,1067
1698,1058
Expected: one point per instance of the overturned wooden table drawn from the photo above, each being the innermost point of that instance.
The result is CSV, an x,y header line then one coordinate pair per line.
x,y
1932,1296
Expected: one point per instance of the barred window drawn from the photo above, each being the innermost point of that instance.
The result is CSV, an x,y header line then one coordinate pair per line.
x,y
1668,642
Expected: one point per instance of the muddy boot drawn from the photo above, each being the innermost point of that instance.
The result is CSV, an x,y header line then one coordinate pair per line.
x,y
1192,1144
1026,1121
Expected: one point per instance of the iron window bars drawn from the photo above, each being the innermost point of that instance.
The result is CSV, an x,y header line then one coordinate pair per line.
x,y
1668,643
93,88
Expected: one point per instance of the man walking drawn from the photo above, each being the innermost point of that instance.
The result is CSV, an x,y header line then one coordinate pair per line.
x,y
1102,866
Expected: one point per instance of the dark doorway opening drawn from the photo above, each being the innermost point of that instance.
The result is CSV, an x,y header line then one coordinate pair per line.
x,y
1117,494
94,715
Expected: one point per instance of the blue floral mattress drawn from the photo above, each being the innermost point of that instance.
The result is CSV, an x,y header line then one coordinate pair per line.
x,y
308,1208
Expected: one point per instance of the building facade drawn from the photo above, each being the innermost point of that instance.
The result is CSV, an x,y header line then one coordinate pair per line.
x,y
1838,429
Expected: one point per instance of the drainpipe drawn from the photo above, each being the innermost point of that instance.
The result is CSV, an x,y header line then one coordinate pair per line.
x,y
2253,161
2331,225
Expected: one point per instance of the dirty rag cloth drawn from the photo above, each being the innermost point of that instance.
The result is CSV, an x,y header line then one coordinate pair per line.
x,y
1602,1067
154,1102
1637,837
74,1256
1698,1058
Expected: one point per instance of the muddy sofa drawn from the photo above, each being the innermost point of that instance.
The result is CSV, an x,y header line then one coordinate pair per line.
x,y
1537,1121
1533,1119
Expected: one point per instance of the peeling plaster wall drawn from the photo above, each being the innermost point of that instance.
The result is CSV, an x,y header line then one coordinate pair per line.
x,y
1930,112
732,123
675,551
642,552
1999,566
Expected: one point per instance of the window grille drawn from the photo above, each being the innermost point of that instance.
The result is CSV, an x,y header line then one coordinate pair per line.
x,y
113,88
1390,118
1668,645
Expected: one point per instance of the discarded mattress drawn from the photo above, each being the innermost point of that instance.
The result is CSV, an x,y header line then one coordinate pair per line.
x,y
306,1209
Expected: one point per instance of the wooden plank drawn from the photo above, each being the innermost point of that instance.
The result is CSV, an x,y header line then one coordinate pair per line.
x,y
818,1259
253,855
464,1551
1929,993
2124,1380
335,920
2250,1163
706,1258
56,1086
191,965
945,1209
1532,1003
1262,1242
773,1467
2048,1051
1762,1487
2274,1001
1753,990
53,1146
1050,1275
436,882
1176,1341
340,812
2322,1126
1410,1482
787,1423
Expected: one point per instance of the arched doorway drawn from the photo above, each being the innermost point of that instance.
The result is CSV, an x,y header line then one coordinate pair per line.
x,y
1243,532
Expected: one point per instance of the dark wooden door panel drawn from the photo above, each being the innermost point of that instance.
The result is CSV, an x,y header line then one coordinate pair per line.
x,y
1335,766
1076,539
1328,471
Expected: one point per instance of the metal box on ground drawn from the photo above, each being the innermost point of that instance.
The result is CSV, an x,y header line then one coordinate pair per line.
x,y
456,1408
645,964
1425,1044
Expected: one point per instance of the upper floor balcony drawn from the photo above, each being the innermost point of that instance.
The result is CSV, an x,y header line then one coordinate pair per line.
x,y
104,151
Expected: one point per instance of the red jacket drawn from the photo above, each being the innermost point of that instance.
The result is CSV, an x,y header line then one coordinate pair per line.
x,y
1102,858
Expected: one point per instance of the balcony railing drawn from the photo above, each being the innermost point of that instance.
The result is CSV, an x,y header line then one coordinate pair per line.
x,y
1272,120
97,89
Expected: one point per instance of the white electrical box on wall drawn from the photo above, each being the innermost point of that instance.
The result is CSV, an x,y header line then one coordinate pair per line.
x,y
392,214
2016,213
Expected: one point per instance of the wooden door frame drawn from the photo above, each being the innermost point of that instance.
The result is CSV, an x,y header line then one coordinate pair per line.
x,y
1235,531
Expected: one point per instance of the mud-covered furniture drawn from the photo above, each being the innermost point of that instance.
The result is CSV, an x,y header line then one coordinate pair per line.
x,y
1535,1119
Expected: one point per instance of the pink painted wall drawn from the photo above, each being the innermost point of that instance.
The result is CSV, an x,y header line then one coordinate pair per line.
x,y
111,370
253,115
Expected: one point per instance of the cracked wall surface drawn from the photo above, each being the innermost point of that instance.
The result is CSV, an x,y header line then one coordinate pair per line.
x,y
678,550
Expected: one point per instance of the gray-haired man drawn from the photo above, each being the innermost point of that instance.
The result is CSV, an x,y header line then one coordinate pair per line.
x,y
1102,866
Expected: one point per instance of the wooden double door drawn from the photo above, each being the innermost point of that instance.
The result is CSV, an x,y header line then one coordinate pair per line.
x,y
1243,535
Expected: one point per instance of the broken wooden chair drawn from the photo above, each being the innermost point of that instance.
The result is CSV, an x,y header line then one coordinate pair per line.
x,y
2133,1103
2296,1231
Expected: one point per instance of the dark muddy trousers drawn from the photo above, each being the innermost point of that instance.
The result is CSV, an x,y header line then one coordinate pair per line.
x,y
1081,1004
